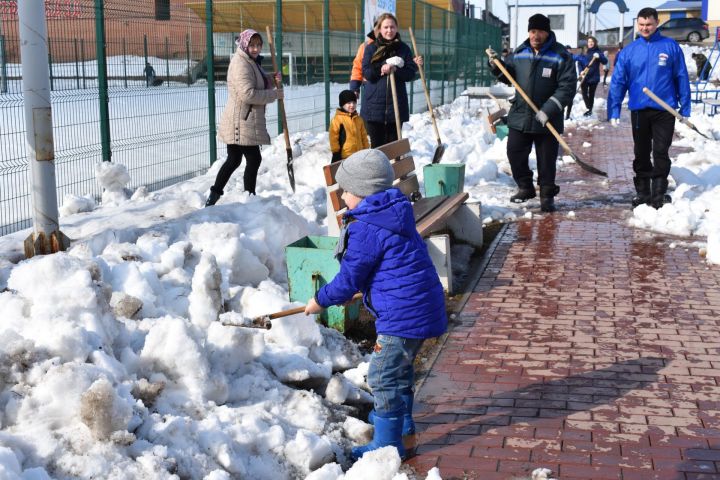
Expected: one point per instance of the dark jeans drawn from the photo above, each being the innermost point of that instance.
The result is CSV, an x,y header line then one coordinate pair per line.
x,y
588,94
652,133
381,133
546,150
235,154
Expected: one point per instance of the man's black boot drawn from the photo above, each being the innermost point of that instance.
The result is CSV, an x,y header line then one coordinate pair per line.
x,y
642,190
547,197
659,193
525,192
212,198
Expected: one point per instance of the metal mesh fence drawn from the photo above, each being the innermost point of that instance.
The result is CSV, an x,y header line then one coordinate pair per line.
x,y
144,103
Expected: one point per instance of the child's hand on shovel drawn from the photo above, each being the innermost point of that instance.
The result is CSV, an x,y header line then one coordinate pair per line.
x,y
312,307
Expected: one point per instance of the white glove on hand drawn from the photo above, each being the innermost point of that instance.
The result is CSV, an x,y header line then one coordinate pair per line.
x,y
491,53
615,122
397,62
596,55
541,117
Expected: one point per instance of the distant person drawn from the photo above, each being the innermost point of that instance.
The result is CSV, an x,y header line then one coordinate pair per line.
x,y
382,256
242,124
658,63
149,72
702,65
568,109
377,108
347,129
589,84
545,70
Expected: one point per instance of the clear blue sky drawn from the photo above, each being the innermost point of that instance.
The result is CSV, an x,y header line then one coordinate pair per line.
x,y
608,15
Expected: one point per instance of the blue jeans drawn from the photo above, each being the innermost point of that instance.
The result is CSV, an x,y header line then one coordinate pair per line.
x,y
391,372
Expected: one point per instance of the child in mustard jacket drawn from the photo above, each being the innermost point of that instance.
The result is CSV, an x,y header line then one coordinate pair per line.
x,y
347,129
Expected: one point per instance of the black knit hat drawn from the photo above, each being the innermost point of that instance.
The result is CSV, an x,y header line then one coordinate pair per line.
x,y
539,22
347,96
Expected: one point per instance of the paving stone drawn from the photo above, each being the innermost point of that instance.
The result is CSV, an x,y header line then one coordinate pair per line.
x,y
587,346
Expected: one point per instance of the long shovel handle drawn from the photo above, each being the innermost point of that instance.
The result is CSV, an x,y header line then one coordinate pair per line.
x,y
527,99
294,311
425,89
585,71
672,111
278,85
396,109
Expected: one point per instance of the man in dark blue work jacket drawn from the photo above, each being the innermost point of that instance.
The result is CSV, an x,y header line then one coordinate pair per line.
x,y
545,70
658,63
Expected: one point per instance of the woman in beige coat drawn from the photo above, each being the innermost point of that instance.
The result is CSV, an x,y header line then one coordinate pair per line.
x,y
242,124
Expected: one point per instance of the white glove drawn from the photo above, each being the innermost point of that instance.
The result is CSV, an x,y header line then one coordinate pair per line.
x,y
541,117
596,55
491,53
396,62
615,122
606,53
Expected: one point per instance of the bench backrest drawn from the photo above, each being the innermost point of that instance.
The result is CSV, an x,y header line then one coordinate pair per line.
x,y
403,165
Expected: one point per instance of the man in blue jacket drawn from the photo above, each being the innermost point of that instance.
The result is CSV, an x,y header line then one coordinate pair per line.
x,y
545,70
383,256
658,63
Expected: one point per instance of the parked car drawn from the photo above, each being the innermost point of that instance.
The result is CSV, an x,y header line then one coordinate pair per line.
x,y
685,29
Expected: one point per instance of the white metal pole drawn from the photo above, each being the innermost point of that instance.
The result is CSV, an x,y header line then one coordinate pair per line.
x,y
594,24
622,27
38,115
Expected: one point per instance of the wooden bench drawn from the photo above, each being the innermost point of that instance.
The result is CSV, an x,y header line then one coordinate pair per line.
x,y
432,215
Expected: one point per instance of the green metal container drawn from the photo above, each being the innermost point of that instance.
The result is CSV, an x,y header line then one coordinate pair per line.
x,y
444,179
501,131
310,265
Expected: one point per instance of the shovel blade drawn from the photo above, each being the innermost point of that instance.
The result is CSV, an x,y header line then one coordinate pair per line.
x,y
586,166
439,152
290,169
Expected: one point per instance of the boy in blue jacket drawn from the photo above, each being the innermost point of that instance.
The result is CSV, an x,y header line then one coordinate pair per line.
x,y
658,63
382,255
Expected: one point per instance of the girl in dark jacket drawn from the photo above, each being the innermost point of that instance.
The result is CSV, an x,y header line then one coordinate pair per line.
x,y
377,105
592,78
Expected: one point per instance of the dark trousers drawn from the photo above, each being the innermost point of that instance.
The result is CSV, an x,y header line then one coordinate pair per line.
x,y
235,154
652,133
546,150
588,94
381,133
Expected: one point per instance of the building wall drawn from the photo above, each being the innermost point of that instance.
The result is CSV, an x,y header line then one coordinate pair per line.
x,y
567,35
71,29
664,16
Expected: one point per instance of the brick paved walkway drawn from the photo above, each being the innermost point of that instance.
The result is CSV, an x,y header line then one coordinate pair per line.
x,y
587,347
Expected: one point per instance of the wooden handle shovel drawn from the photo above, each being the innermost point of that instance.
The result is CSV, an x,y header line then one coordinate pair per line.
x,y
672,111
281,112
440,149
263,321
566,147
396,109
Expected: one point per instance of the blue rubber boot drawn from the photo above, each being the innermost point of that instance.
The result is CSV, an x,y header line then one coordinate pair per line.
x,y
408,422
388,432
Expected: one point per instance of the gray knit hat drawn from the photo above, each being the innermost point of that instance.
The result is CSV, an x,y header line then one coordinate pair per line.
x,y
365,172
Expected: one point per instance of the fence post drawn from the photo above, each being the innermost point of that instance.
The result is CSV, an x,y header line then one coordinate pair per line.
x,y
49,57
167,63
413,11
46,237
124,62
145,50
3,66
210,59
100,53
82,57
77,63
326,60
278,53
444,58
187,56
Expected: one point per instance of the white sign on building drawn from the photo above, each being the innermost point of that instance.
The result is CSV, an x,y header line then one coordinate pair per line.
x,y
564,21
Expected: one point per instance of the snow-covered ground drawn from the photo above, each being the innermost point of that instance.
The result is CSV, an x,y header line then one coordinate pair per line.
x,y
126,356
